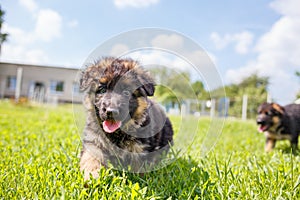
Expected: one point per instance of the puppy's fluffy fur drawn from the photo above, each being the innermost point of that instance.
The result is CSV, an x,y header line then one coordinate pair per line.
x,y
123,126
279,123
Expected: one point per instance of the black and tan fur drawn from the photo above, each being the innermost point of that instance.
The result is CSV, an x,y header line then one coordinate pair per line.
x,y
279,123
118,89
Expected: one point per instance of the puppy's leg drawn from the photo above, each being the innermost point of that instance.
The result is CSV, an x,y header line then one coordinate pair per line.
x,y
294,142
270,144
89,165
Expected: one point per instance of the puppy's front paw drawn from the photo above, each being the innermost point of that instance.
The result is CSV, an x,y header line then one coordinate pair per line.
x,y
89,165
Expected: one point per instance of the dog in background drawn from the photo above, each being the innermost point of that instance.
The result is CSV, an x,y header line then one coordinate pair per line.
x,y
279,123
123,126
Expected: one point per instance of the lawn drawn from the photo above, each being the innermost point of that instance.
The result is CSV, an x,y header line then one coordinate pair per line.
x,y
39,160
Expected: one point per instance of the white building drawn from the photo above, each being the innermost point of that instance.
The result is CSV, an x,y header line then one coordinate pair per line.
x,y
39,83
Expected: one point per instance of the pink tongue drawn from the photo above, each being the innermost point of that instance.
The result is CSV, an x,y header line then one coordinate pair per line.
x,y
261,129
110,126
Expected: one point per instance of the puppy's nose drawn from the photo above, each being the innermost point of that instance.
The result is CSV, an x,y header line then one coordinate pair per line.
x,y
112,112
260,121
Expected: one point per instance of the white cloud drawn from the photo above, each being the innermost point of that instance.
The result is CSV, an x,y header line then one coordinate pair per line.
x,y
36,56
21,44
119,50
17,35
177,44
242,41
199,64
286,7
218,41
19,48
21,54
134,3
48,25
170,42
157,58
201,59
237,75
278,54
30,5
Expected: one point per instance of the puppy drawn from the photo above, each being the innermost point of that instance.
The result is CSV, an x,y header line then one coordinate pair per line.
x,y
279,123
123,126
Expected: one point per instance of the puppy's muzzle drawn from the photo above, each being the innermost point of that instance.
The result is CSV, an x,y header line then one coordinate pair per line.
x,y
112,113
260,120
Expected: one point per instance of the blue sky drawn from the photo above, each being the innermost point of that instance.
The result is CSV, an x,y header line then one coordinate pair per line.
x,y
242,37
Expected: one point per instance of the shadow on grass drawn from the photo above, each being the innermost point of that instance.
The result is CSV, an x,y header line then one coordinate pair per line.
x,y
285,148
289,150
182,179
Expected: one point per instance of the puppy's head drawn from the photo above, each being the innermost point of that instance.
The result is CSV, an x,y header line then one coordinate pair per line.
x,y
117,91
269,116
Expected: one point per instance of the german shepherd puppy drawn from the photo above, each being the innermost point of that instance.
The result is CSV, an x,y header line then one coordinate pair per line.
x,y
123,126
279,123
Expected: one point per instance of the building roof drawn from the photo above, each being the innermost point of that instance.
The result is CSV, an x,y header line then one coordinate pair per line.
x,y
44,66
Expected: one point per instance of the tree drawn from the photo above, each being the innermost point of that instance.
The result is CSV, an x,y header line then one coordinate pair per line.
x,y
200,91
3,36
173,86
297,73
254,86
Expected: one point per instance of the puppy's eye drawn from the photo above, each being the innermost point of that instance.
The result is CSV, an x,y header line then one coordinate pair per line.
x,y
268,113
101,90
126,93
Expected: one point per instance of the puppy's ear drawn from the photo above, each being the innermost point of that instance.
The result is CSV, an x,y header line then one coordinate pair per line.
x,y
149,89
86,80
262,107
147,82
279,109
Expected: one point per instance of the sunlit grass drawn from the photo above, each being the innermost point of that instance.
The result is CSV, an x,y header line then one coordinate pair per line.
x,y
39,159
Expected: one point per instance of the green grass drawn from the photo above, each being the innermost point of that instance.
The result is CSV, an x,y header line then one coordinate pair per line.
x,y
39,160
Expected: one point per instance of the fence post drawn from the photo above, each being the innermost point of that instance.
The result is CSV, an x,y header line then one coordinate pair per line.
x,y
18,84
269,97
212,107
244,107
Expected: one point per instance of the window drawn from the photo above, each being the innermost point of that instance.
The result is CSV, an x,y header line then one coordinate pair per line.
x,y
11,82
76,88
56,86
